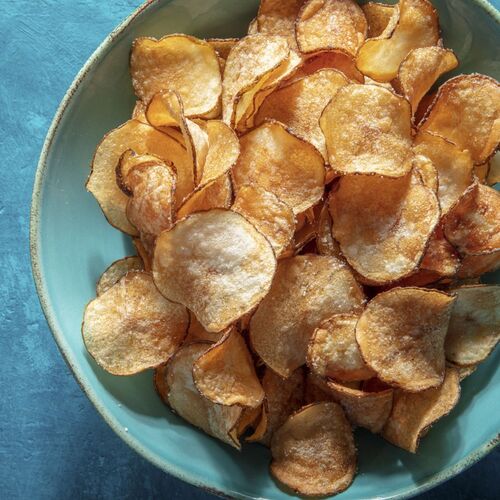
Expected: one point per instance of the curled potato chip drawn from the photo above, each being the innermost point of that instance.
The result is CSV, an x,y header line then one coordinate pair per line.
x,y
225,374
413,413
383,237
183,397
473,266
306,290
131,327
327,24
281,163
378,17
368,131
313,452
324,240
216,263
272,217
474,328
333,351
182,63
466,111
116,271
223,45
401,336
197,333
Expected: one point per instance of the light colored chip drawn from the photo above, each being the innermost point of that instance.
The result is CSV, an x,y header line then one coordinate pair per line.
x,y
197,333
306,290
250,418
420,70
368,130
131,327
378,17
217,264
414,25
473,266
281,163
326,24
324,240
467,112
302,237
424,107
401,336
413,413
216,420
314,452
383,225
474,329
116,271
139,112
272,217
182,63
225,373
494,170
333,351
223,45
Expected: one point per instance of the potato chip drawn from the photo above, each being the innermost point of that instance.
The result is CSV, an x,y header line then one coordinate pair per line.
x,y
269,215
440,256
466,111
182,63
306,290
413,26
324,241
143,253
333,351
326,24
225,374
197,333
216,420
474,329
473,266
414,413
223,45
281,163
314,452
384,237
250,418
216,263
420,70
131,327
424,107
427,172
116,271
368,131
465,371
401,336
378,16
139,112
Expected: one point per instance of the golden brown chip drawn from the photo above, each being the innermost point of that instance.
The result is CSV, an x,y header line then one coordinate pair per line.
x,y
474,329
306,290
182,63
424,107
440,256
116,271
413,413
467,112
368,130
324,240
223,45
272,217
316,389
216,263
313,452
427,172
139,112
473,266
401,336
378,16
131,327
465,371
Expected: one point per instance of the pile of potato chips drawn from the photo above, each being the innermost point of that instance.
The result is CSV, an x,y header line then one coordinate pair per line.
x,y
311,221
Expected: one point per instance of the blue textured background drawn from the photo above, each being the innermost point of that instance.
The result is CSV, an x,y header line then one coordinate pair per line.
x,y
53,444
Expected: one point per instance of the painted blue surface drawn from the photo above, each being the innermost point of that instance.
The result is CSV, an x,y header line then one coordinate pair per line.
x,y
53,444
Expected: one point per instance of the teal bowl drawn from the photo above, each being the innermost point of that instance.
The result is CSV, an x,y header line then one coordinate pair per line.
x,y
71,244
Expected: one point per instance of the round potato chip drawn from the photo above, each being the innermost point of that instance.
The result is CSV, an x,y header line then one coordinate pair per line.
x,y
215,263
313,452
401,336
378,17
116,271
306,290
131,327
368,131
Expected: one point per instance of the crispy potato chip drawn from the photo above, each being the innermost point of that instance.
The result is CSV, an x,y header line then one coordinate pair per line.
x,y
378,16
143,254
440,256
306,290
333,351
217,264
197,333
384,237
427,172
474,329
420,70
260,427
413,413
225,373
401,336
473,266
327,24
424,107
465,371
182,63
281,163
324,240
223,45
139,112
131,327
313,452
467,112
116,271
250,418
272,217
216,420
368,130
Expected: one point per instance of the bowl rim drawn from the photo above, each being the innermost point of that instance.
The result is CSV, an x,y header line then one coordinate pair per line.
x,y
48,311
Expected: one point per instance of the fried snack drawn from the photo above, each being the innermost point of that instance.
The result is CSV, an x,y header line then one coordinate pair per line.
x,y
473,266
378,17
223,45
325,243
116,271
197,333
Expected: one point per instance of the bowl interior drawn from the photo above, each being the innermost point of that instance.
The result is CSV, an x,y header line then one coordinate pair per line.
x,y
72,244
